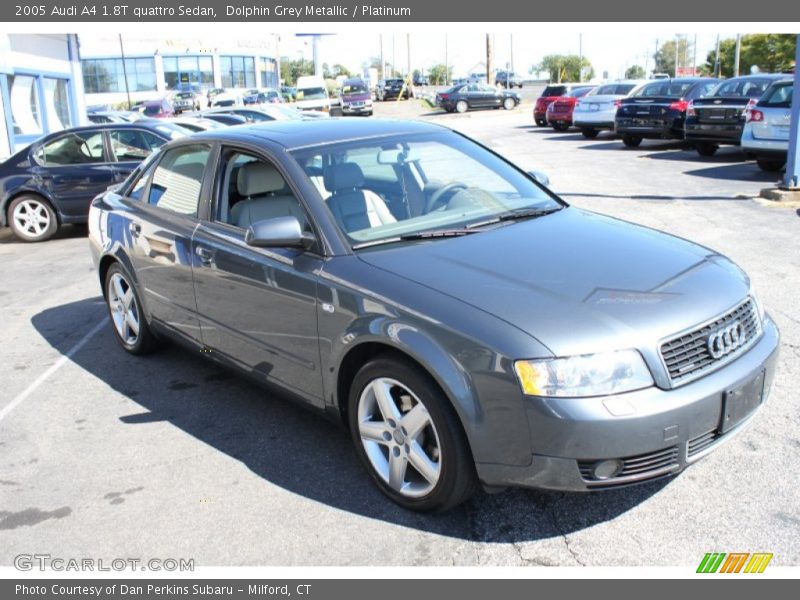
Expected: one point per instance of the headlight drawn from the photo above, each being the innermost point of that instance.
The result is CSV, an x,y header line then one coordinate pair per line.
x,y
585,375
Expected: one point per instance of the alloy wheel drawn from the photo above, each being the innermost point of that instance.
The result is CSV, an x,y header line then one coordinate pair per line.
x,y
123,308
399,437
31,217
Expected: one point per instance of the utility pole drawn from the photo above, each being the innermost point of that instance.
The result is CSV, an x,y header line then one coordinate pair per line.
x,y
716,60
489,57
446,63
694,56
511,44
383,61
677,44
394,56
125,72
655,59
580,57
737,54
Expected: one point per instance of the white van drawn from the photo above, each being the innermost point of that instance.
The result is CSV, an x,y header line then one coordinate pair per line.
x,y
312,94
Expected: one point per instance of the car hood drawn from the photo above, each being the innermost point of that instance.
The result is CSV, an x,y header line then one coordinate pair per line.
x,y
576,281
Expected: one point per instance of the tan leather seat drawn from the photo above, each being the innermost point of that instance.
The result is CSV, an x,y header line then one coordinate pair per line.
x,y
258,183
354,207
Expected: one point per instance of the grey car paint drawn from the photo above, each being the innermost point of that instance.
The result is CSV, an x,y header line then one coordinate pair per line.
x,y
572,282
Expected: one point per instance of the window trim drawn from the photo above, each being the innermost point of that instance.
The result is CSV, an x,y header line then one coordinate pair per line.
x,y
201,199
35,148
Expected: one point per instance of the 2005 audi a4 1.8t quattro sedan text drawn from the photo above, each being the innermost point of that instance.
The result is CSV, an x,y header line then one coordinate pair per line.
x,y
465,324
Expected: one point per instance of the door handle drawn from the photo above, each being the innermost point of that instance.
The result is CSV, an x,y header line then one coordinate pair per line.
x,y
135,229
206,255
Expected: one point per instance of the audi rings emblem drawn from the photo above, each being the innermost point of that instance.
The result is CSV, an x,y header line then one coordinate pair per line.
x,y
726,340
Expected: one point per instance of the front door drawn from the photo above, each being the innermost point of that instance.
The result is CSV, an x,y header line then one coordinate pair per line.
x,y
258,306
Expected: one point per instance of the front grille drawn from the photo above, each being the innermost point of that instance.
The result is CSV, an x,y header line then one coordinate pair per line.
x,y
687,355
701,442
635,468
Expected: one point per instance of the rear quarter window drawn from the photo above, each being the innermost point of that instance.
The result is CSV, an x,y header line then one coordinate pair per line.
x,y
778,96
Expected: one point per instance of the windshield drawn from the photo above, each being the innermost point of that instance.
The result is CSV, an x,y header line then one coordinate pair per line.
x,y
382,189
741,88
778,96
666,88
554,90
613,89
356,88
316,93
152,109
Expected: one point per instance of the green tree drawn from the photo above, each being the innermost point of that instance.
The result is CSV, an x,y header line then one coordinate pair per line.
x,y
769,52
566,67
635,72
292,69
440,75
665,57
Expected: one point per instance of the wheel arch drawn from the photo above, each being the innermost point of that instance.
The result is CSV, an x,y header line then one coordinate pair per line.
x,y
6,204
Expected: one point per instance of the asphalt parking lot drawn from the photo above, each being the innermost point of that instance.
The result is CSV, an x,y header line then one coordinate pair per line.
x,y
106,455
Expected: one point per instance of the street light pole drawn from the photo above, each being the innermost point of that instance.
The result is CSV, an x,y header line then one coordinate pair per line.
x,y
792,178
125,72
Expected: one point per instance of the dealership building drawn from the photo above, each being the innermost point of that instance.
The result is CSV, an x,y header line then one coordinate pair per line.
x,y
41,88
155,66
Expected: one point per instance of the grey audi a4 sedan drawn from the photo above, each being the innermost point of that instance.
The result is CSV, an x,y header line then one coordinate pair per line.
x,y
466,325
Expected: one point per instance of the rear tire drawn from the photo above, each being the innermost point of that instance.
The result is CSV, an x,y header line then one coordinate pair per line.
x,y
462,106
589,133
770,164
541,123
631,141
408,436
509,103
125,311
560,126
32,218
706,148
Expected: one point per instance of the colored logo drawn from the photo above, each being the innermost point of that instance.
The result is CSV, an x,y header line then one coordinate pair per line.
x,y
734,562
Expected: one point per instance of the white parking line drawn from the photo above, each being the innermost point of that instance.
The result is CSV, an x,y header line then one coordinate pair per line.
x,y
55,367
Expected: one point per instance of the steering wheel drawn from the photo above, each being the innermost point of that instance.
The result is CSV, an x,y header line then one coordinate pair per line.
x,y
438,194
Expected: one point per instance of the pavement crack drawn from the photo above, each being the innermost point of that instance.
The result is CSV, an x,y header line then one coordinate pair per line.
x,y
563,533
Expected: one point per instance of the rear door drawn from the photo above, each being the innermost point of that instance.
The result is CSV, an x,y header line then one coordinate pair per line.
x,y
74,168
162,235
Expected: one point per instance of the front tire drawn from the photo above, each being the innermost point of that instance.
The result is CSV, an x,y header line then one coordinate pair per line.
x,y
769,164
631,141
559,126
509,103
462,106
32,218
125,311
408,436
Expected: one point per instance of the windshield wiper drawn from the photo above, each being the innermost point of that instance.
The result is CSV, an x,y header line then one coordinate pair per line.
x,y
526,213
419,235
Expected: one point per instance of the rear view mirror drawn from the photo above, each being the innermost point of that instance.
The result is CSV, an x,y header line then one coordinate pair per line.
x,y
278,232
540,177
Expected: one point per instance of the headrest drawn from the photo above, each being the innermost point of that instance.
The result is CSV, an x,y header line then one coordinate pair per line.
x,y
345,176
257,178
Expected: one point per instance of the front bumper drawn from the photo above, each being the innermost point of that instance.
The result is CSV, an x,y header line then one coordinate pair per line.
x,y
653,432
356,110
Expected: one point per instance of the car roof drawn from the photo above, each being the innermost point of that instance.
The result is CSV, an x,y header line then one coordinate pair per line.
x,y
317,132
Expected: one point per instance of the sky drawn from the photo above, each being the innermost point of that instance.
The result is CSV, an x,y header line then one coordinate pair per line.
x,y
612,52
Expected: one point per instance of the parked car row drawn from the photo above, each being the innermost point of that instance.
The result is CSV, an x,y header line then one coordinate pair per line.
x,y
752,111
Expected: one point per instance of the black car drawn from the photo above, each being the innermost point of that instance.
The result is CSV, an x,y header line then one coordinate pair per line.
x,y
718,118
658,109
476,95
508,79
391,89
421,80
53,181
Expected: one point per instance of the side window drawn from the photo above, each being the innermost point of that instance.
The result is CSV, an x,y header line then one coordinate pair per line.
x,y
178,178
75,148
136,190
252,189
133,144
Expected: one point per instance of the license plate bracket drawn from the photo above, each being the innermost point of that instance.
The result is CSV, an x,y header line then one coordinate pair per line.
x,y
740,402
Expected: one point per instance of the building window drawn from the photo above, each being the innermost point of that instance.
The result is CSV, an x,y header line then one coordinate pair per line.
x,y
238,71
106,75
188,71
56,103
25,110
269,76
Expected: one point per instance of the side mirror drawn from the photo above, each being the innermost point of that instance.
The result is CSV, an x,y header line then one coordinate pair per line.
x,y
278,232
540,177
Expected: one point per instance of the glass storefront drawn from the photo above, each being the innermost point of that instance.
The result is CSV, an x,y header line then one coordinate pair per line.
x,y
188,70
105,75
38,105
238,71
268,73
